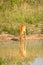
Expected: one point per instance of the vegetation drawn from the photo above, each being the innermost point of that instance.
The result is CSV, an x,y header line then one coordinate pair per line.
x,y
13,13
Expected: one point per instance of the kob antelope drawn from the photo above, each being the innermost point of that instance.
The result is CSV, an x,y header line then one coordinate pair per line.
x,y
22,33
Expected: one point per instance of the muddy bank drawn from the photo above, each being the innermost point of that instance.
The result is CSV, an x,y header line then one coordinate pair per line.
x,y
8,37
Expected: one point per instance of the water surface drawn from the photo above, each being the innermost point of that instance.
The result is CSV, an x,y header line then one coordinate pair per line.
x,y
37,61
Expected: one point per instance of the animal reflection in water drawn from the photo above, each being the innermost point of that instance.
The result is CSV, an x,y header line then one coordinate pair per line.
x,y
22,33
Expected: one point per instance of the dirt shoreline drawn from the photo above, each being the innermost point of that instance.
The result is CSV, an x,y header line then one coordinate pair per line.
x,y
7,37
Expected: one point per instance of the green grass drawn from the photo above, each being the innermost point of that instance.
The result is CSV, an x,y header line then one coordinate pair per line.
x,y
29,12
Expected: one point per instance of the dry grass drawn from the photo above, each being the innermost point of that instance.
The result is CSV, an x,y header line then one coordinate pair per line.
x,y
10,20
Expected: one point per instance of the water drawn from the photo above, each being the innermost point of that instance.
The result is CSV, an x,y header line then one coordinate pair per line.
x,y
10,51
37,61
